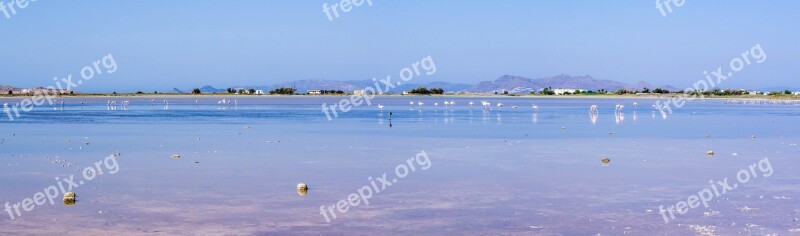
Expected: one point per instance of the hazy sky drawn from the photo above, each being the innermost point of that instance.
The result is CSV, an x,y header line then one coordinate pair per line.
x,y
180,43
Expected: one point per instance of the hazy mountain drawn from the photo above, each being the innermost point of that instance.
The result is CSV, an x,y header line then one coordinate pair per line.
x,y
5,88
780,88
518,84
349,86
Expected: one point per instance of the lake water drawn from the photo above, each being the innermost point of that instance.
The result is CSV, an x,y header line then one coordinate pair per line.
x,y
499,171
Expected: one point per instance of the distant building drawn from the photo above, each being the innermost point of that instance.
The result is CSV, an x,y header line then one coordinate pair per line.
x,y
796,93
358,92
753,92
406,93
572,91
314,92
259,92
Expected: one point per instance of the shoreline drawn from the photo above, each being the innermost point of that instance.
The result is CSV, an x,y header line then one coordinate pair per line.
x,y
631,96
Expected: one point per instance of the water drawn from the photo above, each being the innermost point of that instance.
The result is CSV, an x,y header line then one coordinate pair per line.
x,y
504,171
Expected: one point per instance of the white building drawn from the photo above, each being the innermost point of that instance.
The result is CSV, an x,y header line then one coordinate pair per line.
x,y
796,93
572,91
314,92
259,92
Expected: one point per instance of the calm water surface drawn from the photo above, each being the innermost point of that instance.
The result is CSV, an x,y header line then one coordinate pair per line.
x,y
503,171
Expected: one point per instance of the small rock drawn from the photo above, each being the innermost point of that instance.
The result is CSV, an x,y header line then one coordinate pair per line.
x,y
302,189
69,198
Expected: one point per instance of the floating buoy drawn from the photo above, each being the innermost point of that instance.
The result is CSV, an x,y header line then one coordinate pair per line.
x,y
69,198
606,161
176,156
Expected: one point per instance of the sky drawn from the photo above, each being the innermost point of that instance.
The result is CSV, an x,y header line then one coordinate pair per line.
x,y
159,45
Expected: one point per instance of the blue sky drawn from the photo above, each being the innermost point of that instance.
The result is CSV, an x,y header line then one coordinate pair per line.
x,y
159,45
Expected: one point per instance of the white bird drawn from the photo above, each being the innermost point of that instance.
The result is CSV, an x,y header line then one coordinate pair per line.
x,y
436,104
421,104
593,109
380,107
535,107
515,107
499,104
471,103
619,108
452,103
635,105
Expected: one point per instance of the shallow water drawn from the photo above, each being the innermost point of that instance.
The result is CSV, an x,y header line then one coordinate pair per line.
x,y
503,171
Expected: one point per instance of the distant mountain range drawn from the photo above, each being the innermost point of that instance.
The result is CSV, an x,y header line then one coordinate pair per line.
x,y
303,86
518,84
512,84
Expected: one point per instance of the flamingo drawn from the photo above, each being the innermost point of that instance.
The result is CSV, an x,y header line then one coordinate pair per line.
x,y
619,108
380,107
593,109
515,107
500,105
635,105
486,105
471,103
535,107
411,103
